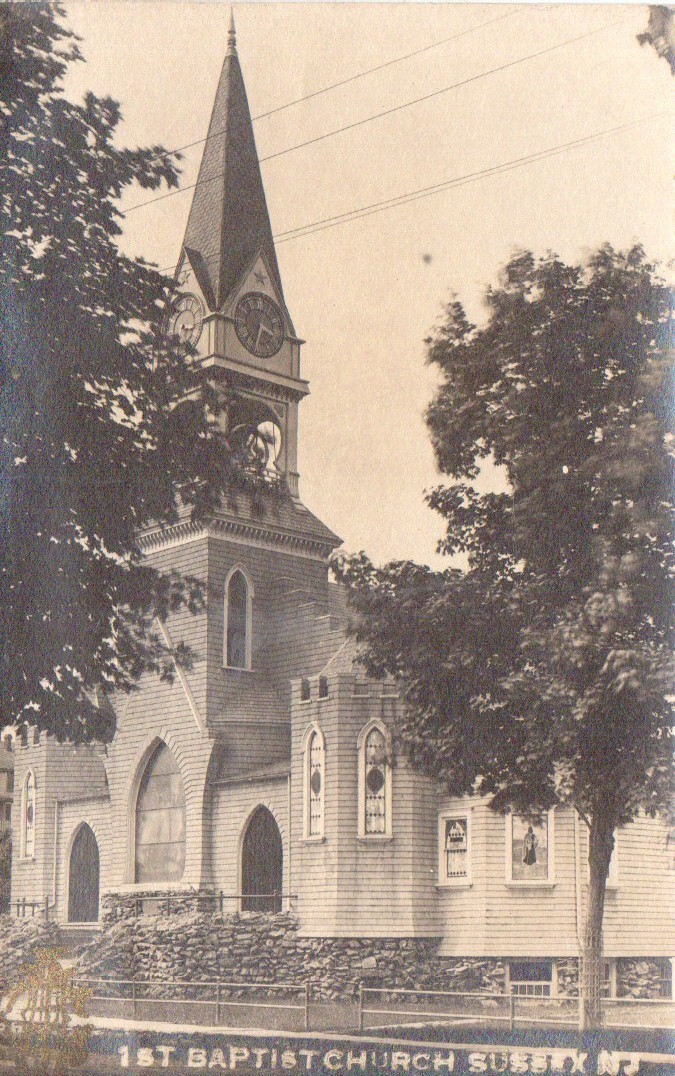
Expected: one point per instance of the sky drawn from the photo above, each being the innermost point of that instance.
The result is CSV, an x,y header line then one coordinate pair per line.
x,y
365,294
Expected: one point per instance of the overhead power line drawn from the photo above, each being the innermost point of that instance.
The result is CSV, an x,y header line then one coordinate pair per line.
x,y
390,111
358,75
457,181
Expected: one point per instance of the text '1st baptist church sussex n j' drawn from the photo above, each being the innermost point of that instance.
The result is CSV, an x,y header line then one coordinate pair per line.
x,y
260,787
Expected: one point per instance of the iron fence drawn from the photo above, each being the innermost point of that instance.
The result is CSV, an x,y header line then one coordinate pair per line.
x,y
27,909
381,1007
215,996
216,902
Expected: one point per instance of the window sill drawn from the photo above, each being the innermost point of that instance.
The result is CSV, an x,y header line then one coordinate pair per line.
x,y
530,885
27,859
316,838
374,838
236,669
464,883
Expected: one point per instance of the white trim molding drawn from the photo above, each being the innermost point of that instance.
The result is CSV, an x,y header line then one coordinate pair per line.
x,y
313,733
250,594
363,772
549,880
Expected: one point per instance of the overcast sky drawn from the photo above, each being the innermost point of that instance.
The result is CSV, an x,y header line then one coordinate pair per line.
x,y
365,294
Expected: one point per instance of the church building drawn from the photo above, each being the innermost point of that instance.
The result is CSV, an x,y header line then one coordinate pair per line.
x,y
263,778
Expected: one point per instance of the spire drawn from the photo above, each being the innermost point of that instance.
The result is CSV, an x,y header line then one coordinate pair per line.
x,y
228,222
231,36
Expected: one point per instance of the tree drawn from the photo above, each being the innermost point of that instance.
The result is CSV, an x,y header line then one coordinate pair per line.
x,y
105,425
539,675
660,34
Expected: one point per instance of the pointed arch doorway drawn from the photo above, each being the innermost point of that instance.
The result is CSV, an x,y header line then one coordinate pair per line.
x,y
83,877
262,864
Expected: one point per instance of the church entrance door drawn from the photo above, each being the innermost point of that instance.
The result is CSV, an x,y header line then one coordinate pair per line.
x,y
262,864
83,878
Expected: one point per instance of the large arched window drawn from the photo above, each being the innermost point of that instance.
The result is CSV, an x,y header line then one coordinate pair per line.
x,y
314,783
375,807
160,820
238,595
28,816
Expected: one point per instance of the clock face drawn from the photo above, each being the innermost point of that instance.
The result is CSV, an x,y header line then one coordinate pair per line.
x,y
259,324
187,319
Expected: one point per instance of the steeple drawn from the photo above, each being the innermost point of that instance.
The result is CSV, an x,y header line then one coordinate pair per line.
x,y
228,222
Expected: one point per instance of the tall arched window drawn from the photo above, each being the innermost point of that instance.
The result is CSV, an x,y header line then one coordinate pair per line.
x,y
238,597
314,783
28,816
375,807
160,820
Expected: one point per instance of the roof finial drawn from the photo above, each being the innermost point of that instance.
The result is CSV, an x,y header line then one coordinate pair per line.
x,y
231,36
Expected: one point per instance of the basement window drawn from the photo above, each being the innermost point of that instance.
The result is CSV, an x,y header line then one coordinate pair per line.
x,y
531,978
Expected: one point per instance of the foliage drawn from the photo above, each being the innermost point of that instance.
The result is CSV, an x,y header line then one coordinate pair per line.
x,y
660,33
540,675
46,997
106,428
5,870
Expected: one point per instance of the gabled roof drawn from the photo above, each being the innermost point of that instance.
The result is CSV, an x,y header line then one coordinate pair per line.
x,y
228,223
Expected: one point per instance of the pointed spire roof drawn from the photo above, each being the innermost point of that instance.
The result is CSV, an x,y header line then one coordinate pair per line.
x,y
228,223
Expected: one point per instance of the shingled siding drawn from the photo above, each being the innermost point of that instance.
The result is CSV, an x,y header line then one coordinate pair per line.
x,y
232,805
383,885
62,772
492,917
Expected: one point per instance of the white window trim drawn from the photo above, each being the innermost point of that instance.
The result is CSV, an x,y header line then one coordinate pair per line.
x,y
388,783
306,800
443,881
27,857
528,883
249,618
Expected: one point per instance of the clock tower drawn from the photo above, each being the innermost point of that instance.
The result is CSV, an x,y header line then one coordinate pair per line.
x,y
231,305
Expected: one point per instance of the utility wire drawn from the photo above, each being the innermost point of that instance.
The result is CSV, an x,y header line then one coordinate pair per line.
x,y
389,111
422,192
360,74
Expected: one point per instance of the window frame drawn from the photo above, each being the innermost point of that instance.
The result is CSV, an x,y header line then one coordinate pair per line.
x,y
312,731
388,784
526,883
24,853
248,649
464,881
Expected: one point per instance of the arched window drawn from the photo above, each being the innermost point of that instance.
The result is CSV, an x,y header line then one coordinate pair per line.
x,y
238,595
374,782
28,816
314,783
160,820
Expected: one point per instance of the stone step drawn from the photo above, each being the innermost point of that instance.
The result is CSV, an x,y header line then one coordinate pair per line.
x,y
75,936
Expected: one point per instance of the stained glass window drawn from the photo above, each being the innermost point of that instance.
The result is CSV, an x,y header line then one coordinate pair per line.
x,y
237,622
529,849
376,782
315,784
456,846
29,815
160,820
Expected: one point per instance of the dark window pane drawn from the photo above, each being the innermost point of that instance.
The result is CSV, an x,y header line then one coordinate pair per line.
x,y
237,617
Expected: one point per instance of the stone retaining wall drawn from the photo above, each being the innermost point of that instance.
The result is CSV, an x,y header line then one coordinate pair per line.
x,y
19,938
190,945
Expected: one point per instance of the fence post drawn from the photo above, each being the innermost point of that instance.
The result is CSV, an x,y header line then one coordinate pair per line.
x,y
133,999
218,1004
307,1006
512,1010
46,909
360,1006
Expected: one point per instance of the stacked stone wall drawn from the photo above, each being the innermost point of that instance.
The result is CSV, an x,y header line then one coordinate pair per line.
x,y
193,946
19,940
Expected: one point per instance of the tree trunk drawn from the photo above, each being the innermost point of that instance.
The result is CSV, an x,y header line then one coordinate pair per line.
x,y
600,847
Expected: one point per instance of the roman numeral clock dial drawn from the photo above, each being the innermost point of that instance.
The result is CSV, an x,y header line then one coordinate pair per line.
x,y
259,324
187,319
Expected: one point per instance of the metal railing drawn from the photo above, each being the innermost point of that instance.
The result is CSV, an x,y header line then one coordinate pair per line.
x,y
216,903
216,995
27,909
392,1007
